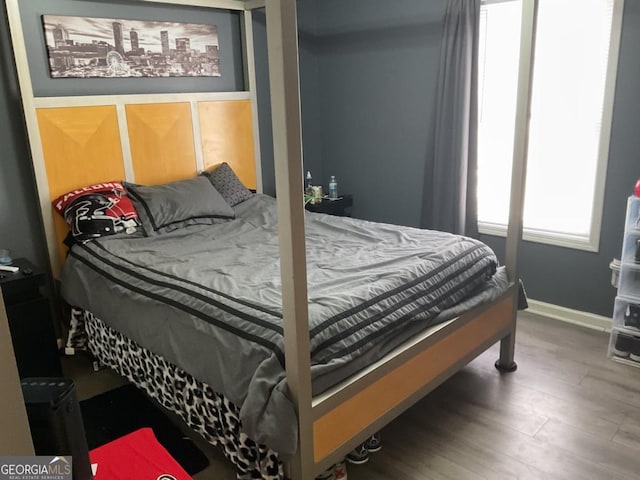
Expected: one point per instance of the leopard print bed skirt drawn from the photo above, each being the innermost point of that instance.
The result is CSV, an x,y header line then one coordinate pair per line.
x,y
207,412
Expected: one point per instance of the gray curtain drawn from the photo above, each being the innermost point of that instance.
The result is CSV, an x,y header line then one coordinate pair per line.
x,y
450,187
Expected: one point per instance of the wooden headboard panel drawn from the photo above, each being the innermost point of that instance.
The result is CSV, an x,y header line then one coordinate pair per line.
x,y
141,140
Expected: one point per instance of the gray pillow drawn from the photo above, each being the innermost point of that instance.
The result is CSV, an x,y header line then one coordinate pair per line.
x,y
225,181
164,208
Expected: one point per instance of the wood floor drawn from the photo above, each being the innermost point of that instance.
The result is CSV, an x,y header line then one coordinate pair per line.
x,y
568,412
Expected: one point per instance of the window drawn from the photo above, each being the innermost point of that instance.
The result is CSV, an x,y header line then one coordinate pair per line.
x,y
572,94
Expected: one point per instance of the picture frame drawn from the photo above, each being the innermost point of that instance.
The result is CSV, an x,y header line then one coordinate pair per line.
x,y
90,47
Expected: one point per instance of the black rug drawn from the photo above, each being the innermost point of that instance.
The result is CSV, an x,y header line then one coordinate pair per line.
x,y
125,409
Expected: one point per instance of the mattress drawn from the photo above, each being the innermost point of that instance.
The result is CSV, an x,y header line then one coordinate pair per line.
x,y
208,299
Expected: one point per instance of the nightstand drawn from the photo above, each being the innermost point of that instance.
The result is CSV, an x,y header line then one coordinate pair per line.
x,y
337,207
30,322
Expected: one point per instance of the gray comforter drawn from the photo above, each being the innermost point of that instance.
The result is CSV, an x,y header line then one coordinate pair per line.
x,y
208,299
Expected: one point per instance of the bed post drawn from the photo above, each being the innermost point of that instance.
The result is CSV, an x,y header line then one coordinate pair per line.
x,y
519,171
282,42
251,86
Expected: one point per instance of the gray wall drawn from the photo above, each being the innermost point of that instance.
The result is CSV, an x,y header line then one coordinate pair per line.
x,y
378,71
20,225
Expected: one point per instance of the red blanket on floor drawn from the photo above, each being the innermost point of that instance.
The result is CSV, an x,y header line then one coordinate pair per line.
x,y
136,456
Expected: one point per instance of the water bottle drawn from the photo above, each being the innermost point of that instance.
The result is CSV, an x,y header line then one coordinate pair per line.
x,y
333,188
307,183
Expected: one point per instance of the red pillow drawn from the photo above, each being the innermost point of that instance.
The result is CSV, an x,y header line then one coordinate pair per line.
x,y
98,210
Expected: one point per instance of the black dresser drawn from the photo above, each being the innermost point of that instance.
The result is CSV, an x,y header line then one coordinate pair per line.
x,y
30,321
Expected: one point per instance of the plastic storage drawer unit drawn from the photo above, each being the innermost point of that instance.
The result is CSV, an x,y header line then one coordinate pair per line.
x,y
624,345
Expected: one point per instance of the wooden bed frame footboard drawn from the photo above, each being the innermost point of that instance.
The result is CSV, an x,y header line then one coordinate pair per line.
x,y
377,395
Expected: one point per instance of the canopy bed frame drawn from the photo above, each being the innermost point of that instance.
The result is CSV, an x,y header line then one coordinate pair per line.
x,y
371,398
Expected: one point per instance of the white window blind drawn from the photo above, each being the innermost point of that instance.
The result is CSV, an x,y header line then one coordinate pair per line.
x,y
570,117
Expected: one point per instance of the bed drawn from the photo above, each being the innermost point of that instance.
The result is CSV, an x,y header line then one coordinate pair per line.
x,y
310,399
216,288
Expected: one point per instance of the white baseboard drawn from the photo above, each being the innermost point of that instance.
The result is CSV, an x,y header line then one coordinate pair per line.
x,y
576,317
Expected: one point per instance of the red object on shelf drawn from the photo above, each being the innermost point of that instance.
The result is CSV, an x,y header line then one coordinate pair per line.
x,y
636,191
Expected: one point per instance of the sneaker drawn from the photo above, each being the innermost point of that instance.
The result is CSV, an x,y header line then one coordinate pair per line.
x,y
632,316
328,474
358,455
626,344
340,471
373,443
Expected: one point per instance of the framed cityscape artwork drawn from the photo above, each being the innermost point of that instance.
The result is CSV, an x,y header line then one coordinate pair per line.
x,y
108,47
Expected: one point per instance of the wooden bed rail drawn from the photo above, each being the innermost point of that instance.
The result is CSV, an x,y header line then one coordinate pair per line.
x,y
363,405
